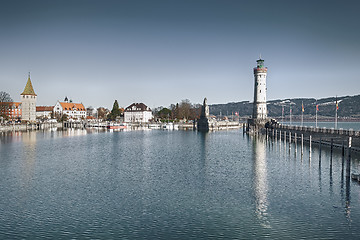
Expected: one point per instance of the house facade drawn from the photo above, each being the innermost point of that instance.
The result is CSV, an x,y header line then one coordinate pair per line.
x,y
72,110
137,112
44,111
12,110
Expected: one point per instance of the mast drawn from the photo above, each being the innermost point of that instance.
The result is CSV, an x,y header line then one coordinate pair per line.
x,y
336,110
317,109
302,113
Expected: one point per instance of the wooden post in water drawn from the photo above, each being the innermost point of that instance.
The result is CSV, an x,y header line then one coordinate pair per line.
x,y
331,151
276,134
289,142
310,147
320,149
280,136
289,138
302,144
343,155
348,160
295,140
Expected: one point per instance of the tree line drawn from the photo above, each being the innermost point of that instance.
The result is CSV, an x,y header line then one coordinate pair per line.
x,y
185,110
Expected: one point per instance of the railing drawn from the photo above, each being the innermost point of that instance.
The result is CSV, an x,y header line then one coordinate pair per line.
x,y
347,132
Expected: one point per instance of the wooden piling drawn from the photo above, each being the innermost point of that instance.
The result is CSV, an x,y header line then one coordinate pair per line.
x,y
310,146
280,136
342,155
331,151
289,138
348,164
320,149
295,140
302,144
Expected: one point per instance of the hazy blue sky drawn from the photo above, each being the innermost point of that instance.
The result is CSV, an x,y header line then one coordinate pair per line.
x,y
160,52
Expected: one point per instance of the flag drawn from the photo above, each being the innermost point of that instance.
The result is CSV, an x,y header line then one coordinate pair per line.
x,y
337,105
236,113
317,107
302,107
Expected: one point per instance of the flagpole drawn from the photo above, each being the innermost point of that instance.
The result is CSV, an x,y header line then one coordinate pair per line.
x,y
282,115
336,109
302,113
290,114
316,115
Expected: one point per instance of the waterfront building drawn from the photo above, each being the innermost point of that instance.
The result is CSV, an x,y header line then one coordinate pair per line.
x,y
44,111
11,110
72,110
28,102
137,112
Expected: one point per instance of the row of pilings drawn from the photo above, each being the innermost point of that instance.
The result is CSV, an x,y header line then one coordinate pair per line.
x,y
346,140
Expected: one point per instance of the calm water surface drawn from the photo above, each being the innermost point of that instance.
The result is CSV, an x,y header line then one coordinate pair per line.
x,y
171,185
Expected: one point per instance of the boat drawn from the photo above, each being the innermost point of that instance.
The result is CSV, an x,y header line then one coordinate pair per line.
x,y
116,126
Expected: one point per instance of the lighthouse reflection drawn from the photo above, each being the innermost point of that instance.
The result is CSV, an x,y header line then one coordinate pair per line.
x,y
260,183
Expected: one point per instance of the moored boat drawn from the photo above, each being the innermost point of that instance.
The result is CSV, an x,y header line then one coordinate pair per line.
x,y
116,126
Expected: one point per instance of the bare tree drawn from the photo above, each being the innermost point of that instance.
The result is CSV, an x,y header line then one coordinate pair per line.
x,y
5,97
5,101
102,112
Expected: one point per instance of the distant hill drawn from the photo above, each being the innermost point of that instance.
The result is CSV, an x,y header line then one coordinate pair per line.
x,y
349,107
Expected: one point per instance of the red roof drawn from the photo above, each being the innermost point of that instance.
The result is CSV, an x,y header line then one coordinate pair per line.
x,y
72,106
44,108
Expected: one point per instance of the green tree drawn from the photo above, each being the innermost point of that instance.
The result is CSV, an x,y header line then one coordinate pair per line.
x,y
64,118
115,112
165,113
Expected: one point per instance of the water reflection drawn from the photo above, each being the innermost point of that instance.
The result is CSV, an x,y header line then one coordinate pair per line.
x,y
260,180
29,157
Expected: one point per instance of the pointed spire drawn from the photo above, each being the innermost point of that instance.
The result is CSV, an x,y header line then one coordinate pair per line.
x,y
29,90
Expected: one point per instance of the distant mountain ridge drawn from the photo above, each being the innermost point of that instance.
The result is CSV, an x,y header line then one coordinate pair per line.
x,y
349,107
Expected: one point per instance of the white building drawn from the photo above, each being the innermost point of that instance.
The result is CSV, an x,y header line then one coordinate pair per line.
x,y
137,112
259,107
44,111
72,110
28,102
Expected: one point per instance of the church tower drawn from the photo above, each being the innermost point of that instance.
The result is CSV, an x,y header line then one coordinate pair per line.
x,y
259,108
28,102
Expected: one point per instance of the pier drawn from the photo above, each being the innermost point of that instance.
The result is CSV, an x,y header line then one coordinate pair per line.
x,y
325,136
297,136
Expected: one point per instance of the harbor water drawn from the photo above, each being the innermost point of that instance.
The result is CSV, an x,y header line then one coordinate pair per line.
x,y
155,184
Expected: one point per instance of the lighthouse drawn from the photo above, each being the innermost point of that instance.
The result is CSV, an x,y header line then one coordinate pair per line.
x,y
259,107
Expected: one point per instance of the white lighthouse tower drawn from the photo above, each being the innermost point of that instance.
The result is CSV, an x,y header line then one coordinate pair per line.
x,y
259,108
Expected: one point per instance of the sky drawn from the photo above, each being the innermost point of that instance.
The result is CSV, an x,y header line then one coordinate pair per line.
x,y
160,52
